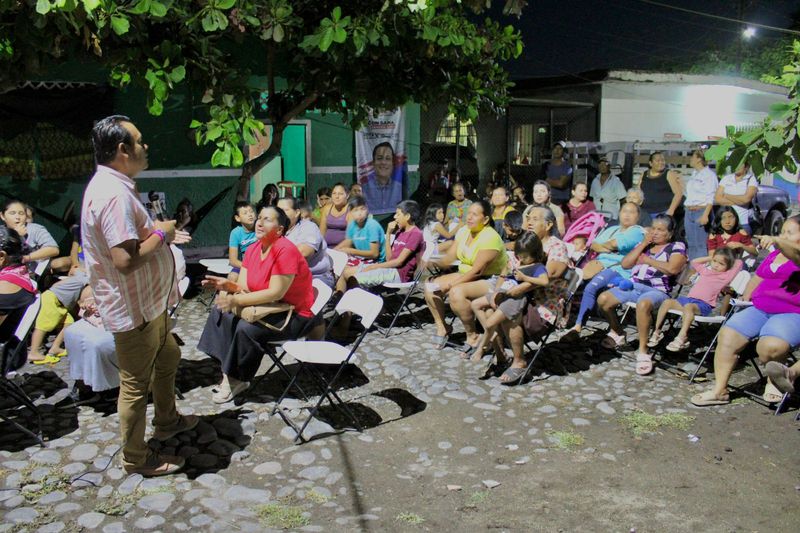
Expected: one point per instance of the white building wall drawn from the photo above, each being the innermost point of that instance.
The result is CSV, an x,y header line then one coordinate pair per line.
x,y
647,111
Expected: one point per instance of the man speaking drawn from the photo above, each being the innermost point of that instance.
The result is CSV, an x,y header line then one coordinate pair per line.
x,y
132,273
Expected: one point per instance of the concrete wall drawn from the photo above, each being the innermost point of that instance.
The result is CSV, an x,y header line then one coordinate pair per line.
x,y
646,111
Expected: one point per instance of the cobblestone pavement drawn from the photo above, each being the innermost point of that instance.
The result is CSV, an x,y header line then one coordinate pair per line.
x,y
597,449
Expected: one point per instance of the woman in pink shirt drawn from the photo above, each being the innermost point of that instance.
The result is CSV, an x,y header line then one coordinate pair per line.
x,y
774,316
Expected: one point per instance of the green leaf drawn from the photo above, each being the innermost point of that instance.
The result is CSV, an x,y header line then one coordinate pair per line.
x,y
339,35
237,157
156,107
195,124
756,164
773,138
214,132
277,33
337,13
209,22
141,7
158,10
737,156
218,158
43,7
90,5
222,20
225,4
120,24
177,74
718,151
326,40
779,110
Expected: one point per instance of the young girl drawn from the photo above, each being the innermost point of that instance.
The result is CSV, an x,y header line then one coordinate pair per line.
x,y
433,229
726,233
716,273
41,245
508,297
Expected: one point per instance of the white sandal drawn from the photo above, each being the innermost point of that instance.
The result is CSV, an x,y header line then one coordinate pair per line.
x,y
655,339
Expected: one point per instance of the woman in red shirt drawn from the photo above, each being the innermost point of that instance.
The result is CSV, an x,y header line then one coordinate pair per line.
x,y
578,205
273,270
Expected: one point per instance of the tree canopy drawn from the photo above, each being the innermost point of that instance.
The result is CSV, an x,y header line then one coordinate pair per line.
x,y
346,57
775,144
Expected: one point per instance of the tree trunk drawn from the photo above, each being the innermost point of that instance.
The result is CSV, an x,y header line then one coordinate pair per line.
x,y
254,165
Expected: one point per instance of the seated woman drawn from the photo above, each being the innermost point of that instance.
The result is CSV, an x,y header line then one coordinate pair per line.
x,y
41,245
611,245
549,298
334,217
273,271
655,264
541,198
577,205
16,289
480,250
774,316
92,356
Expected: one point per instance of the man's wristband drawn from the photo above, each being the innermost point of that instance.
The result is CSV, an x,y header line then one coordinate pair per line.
x,y
161,235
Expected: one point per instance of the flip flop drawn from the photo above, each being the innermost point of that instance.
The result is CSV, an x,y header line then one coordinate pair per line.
x,y
48,360
677,346
779,375
467,350
655,338
495,370
62,353
708,398
440,341
771,393
644,363
513,376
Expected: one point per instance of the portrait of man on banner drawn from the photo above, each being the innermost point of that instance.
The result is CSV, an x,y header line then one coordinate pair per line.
x,y
382,162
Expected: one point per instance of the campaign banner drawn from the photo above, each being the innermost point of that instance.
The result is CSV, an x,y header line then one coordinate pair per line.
x,y
381,160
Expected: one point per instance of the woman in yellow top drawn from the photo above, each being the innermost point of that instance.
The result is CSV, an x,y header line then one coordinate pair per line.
x,y
480,250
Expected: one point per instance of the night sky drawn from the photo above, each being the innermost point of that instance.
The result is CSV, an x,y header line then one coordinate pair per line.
x,y
571,36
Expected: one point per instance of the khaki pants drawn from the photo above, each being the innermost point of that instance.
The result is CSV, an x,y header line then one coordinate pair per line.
x,y
148,360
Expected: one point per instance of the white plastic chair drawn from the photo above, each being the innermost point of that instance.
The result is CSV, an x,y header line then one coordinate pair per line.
x,y
8,387
338,260
322,294
407,289
361,303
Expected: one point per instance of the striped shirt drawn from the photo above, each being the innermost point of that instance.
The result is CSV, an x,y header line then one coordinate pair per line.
x,y
112,214
649,275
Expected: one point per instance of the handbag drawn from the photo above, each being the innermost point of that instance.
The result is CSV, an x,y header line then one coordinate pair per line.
x,y
256,314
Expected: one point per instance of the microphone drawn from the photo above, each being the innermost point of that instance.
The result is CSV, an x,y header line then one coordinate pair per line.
x,y
155,201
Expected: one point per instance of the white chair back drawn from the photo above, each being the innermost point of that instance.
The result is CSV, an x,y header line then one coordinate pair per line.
x,y
28,318
739,283
41,266
183,285
362,303
339,261
322,293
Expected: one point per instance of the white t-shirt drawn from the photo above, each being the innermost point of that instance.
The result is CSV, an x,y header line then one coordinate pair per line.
x,y
701,187
731,186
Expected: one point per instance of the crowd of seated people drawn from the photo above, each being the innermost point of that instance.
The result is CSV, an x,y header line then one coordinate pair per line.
x,y
500,262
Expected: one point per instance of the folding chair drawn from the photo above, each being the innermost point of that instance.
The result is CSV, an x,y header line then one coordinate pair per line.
x,y
322,294
738,285
573,278
407,289
309,353
38,273
338,260
13,350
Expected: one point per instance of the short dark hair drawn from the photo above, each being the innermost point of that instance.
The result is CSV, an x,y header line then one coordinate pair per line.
x,y
107,134
12,244
356,201
283,220
514,220
324,191
726,254
411,208
486,207
11,201
241,204
382,145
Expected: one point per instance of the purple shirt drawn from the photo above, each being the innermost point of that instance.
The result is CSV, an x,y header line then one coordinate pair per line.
x,y
411,240
778,292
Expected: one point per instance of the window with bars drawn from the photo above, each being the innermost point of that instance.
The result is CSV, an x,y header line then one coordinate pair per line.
x,y
452,131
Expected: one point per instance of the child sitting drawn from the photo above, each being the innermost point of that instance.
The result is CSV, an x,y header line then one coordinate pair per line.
x,y
722,267
725,232
434,231
508,298
577,248
55,313
241,236
512,228
305,210
364,240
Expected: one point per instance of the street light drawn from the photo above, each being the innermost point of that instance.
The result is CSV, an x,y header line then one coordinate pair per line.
x,y
749,32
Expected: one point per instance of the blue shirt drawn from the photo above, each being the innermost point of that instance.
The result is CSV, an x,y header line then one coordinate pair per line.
x,y
627,240
241,238
363,237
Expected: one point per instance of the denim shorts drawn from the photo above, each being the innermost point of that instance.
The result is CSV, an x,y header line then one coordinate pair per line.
x,y
705,309
640,292
752,323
